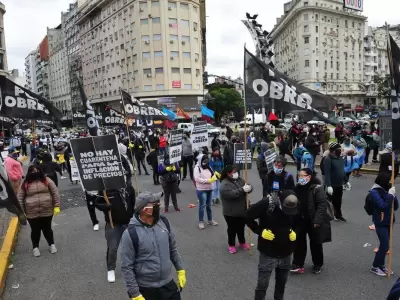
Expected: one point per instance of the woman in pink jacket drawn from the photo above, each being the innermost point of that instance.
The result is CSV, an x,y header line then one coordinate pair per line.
x,y
14,170
204,177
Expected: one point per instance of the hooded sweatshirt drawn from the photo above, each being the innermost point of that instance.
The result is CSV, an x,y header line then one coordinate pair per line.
x,y
13,168
151,267
201,176
382,202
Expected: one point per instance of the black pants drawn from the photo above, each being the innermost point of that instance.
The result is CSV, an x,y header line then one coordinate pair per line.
x,y
92,211
287,153
170,190
39,225
236,227
336,199
265,267
54,178
167,292
156,178
113,238
141,161
374,154
265,187
23,148
187,162
147,146
300,249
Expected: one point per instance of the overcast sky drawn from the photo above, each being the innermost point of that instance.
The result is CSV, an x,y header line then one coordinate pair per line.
x,y
26,22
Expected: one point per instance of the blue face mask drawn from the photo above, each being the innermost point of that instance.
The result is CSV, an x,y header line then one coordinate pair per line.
x,y
303,181
278,170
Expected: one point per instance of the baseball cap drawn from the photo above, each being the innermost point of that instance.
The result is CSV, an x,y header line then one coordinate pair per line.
x,y
145,198
289,202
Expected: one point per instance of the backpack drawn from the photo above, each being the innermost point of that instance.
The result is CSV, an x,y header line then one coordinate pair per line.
x,y
369,205
307,160
135,238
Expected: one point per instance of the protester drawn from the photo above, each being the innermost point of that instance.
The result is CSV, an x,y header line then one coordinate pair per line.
x,y
335,178
162,144
148,251
118,211
14,170
263,168
234,205
312,220
40,199
91,206
204,177
382,196
360,145
152,160
349,152
284,147
275,239
385,165
169,175
50,167
215,143
140,154
312,144
59,154
278,178
228,151
187,157
217,165
34,146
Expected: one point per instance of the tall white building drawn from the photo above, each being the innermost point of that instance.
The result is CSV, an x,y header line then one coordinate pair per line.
x,y
152,49
30,71
60,94
3,52
14,76
321,45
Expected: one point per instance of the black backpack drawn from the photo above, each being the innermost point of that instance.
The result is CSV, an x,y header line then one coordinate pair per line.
x,y
135,238
369,205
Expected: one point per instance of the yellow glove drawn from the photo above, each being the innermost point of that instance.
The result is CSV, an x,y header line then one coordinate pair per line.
x,y
131,145
138,298
168,169
140,147
173,168
292,235
72,158
181,278
218,175
56,211
268,235
212,179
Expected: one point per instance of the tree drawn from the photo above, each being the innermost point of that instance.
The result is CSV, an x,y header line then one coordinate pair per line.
x,y
383,88
225,99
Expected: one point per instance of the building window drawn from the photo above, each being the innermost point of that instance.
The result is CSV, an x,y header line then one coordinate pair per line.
x,y
316,41
159,86
187,71
158,54
187,86
146,55
326,65
173,37
306,3
185,38
337,75
316,63
332,64
145,38
156,20
159,70
197,72
352,24
186,54
345,23
175,71
172,4
155,3
148,87
156,37
185,6
306,63
316,17
331,75
184,23
305,17
317,74
306,40
316,29
174,53
172,21
144,21
305,28
146,71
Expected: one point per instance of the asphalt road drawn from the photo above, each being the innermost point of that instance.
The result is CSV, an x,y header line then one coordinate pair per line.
x,y
78,270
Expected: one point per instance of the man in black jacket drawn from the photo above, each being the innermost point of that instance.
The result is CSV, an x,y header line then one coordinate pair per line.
x,y
120,208
275,239
278,178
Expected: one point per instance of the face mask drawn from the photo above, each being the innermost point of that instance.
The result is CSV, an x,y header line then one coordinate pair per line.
x,y
33,176
278,170
303,181
338,152
314,134
153,211
204,163
235,175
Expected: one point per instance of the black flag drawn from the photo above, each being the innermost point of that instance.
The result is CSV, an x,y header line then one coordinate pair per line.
x,y
18,102
111,117
136,109
91,120
394,61
264,81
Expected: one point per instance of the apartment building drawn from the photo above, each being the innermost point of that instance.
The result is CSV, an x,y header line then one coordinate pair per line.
x,y
237,83
321,45
3,52
30,71
153,49
72,45
60,94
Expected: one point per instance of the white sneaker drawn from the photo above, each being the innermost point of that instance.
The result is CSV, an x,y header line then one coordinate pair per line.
x,y
111,276
53,249
63,177
96,227
36,252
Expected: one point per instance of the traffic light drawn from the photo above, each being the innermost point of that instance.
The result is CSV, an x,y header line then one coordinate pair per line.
x,y
205,78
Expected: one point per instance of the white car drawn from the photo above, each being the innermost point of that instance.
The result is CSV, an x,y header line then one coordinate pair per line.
x,y
345,119
284,126
213,130
365,118
315,122
187,127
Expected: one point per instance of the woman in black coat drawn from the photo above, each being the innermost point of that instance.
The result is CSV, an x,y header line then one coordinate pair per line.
x,y
312,221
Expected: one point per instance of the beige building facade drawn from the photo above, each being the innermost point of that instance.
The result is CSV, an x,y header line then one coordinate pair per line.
x,y
3,52
153,49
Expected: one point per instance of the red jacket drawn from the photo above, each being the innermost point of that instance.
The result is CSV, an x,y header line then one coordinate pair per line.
x,y
163,142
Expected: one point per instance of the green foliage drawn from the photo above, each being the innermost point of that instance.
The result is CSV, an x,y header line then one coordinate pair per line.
x,y
226,99
383,87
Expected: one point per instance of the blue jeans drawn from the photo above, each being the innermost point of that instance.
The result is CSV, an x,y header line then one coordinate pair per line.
x,y
216,190
204,203
383,236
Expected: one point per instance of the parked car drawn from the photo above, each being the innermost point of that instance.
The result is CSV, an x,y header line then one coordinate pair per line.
x,y
213,130
258,120
187,127
316,122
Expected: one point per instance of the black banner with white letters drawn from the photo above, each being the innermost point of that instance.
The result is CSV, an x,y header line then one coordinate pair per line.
x,y
18,102
263,81
136,109
112,117
99,162
394,60
91,120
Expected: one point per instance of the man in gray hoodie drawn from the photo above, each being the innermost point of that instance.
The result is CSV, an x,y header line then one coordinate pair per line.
x,y
148,252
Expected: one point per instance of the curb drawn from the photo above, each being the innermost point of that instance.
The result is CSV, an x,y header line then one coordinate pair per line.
x,y
7,250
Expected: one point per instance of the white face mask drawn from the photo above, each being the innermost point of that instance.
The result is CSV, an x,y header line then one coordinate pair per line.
x,y
235,175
